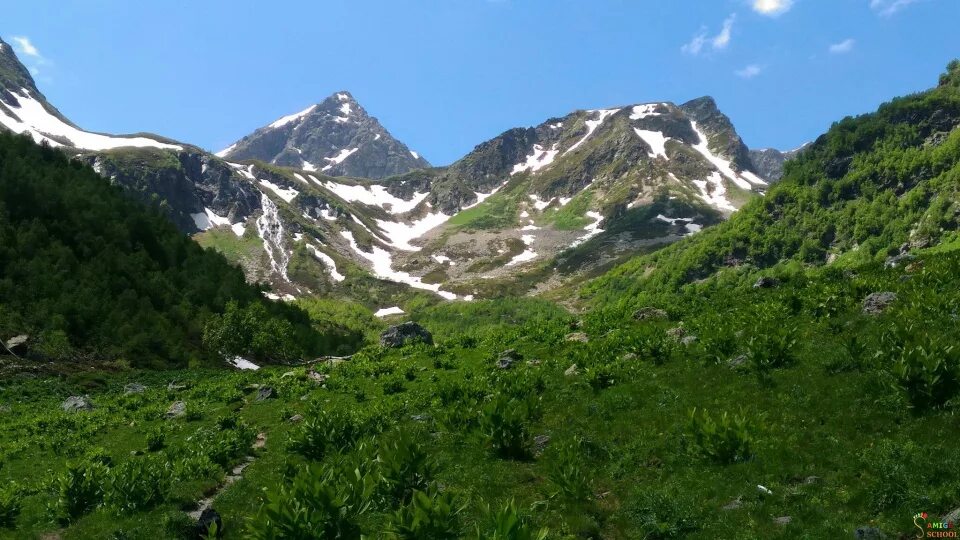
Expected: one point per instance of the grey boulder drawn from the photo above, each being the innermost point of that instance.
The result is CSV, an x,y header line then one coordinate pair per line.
x,y
878,302
403,334
77,403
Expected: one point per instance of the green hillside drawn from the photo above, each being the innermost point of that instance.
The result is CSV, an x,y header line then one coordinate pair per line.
x,y
864,189
92,276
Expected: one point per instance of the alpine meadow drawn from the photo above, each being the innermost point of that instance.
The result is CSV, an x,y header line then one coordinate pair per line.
x,y
619,323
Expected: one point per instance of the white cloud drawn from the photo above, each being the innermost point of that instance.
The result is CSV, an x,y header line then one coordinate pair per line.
x,y
719,41
887,8
749,72
723,38
36,63
24,46
843,47
772,8
696,44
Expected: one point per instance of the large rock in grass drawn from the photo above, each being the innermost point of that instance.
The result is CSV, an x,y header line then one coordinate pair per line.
x,y
405,334
176,410
76,404
208,518
650,314
878,302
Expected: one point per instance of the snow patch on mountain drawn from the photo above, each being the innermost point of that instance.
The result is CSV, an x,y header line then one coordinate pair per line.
x,y
287,194
539,159
528,254
375,195
714,193
223,153
338,159
592,229
655,140
292,117
724,166
382,263
401,234
592,126
640,112
385,312
327,261
35,120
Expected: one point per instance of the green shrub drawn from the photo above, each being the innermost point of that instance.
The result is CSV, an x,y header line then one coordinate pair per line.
x,y
156,439
728,440
331,431
660,515
567,473
321,502
138,484
393,385
80,489
507,524
600,377
223,446
404,466
434,516
927,373
504,425
771,348
10,498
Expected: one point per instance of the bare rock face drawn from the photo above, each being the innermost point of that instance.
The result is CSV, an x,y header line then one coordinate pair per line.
x,y
404,334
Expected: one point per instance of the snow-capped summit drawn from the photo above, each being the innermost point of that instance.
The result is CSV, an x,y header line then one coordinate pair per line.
x,y
336,137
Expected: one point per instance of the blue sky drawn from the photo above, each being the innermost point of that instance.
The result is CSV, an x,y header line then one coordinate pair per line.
x,y
445,75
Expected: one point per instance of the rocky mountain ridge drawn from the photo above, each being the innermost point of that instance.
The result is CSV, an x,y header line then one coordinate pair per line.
x,y
523,211
336,137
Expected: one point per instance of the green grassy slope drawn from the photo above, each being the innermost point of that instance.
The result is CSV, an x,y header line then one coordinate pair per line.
x,y
861,190
836,412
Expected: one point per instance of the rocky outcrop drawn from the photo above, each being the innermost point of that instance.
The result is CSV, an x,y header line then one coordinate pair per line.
x,y
404,334
878,302
183,184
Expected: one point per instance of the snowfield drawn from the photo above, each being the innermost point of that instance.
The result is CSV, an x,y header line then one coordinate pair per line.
x,y
655,140
45,127
287,194
385,312
375,195
640,112
383,268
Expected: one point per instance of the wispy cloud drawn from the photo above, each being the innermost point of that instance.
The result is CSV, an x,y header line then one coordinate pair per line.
x,y
23,45
36,62
717,42
843,47
887,8
749,72
772,8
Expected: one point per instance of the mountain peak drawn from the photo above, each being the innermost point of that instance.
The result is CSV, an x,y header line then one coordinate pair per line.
x,y
335,136
14,76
